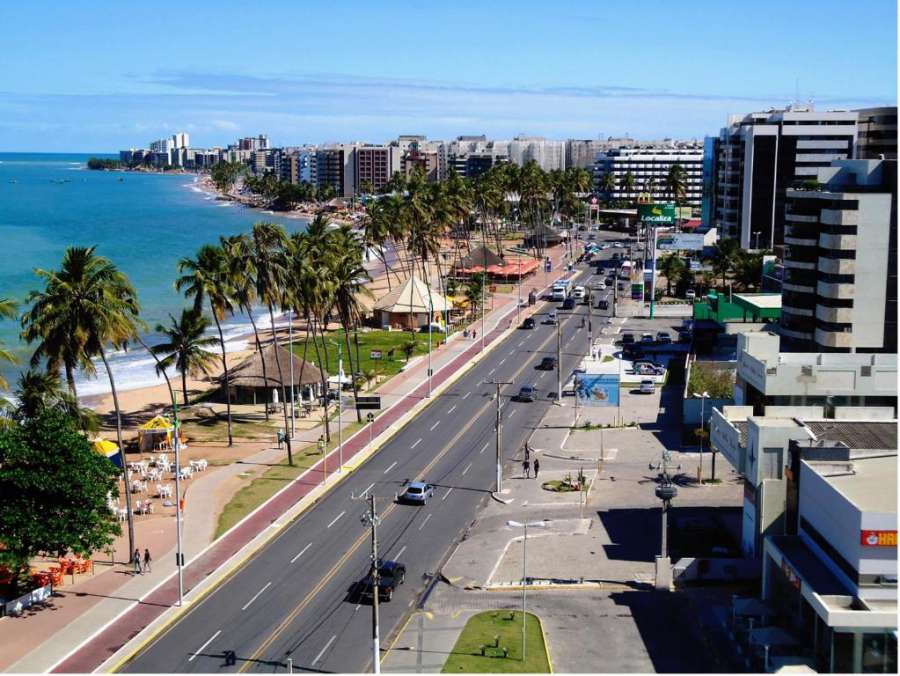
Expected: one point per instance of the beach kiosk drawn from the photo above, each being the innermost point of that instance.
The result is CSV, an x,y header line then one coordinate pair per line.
x,y
108,449
251,384
155,434
408,306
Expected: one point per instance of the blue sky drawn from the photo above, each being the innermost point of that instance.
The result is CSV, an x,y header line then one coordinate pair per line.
x,y
98,76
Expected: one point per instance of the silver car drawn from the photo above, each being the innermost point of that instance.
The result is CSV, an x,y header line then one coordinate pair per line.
x,y
417,492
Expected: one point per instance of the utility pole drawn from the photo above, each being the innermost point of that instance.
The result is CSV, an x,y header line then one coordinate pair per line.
x,y
497,431
179,555
590,301
291,350
559,362
430,320
483,278
340,408
372,519
653,274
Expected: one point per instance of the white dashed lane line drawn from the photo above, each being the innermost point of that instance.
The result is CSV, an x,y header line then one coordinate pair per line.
x,y
393,465
419,441
327,646
435,425
424,522
336,518
452,408
256,595
306,547
201,648
468,467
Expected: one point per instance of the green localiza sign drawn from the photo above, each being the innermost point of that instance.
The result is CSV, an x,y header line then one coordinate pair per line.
x,y
656,214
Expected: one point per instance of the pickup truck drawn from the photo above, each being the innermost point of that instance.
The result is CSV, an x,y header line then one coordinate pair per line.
x,y
391,574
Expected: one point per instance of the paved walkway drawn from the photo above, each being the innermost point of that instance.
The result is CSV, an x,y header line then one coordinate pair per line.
x,y
79,636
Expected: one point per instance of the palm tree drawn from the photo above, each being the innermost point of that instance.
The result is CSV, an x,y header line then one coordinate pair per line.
x,y
672,267
724,257
474,290
7,311
748,269
187,347
628,183
676,183
40,390
92,299
206,278
608,183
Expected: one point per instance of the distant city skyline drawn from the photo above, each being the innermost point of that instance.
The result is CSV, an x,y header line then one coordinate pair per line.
x,y
102,76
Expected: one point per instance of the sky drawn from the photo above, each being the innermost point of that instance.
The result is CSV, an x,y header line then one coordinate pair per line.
x,y
97,76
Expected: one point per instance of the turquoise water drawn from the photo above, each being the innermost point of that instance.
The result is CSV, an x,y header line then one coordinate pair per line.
x,y
143,222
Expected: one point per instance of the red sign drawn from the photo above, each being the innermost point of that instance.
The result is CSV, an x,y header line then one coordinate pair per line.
x,y
878,538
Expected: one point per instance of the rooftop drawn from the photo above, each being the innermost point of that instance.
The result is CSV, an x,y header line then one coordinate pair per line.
x,y
858,434
869,483
762,301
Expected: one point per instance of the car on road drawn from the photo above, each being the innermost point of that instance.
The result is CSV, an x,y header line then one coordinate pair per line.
x,y
616,255
592,236
547,364
578,292
603,304
391,574
618,245
647,386
627,339
690,295
551,318
647,338
663,337
599,285
417,492
604,247
528,323
526,393
568,304
647,368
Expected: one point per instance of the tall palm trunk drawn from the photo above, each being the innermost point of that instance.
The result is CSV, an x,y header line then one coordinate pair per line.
x,y
284,404
323,378
115,396
225,369
70,379
164,374
249,312
352,370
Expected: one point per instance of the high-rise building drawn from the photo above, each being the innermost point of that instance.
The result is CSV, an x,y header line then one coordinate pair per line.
x,y
260,142
549,155
877,133
839,292
374,165
761,155
583,152
335,166
181,139
648,165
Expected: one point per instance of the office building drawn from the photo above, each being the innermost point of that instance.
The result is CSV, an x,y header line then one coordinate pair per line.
x,y
877,133
648,165
839,290
181,139
759,156
374,165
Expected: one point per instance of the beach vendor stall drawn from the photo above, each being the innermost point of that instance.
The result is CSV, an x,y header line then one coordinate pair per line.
x,y
108,449
155,434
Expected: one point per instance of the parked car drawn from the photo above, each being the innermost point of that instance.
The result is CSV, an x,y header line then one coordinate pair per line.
x,y
528,323
647,386
568,303
663,337
417,492
592,236
547,364
391,574
604,247
627,339
646,337
599,285
618,245
526,393
691,295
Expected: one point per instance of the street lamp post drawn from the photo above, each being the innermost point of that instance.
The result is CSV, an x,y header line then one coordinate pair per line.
x,y
497,432
559,361
372,519
430,320
524,526
291,351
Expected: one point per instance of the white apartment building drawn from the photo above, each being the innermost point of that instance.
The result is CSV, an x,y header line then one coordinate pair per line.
x,y
548,154
648,164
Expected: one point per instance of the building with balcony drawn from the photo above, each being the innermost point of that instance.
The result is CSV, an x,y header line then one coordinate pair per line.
x,y
759,156
648,165
877,133
374,165
839,288
768,377
335,167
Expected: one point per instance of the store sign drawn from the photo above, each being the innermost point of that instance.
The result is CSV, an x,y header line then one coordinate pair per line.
x,y
597,389
790,573
878,538
656,214
680,241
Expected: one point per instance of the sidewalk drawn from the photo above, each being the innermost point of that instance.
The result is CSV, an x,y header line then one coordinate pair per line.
x,y
81,636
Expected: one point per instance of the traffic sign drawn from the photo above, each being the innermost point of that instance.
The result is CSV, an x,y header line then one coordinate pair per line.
x,y
368,402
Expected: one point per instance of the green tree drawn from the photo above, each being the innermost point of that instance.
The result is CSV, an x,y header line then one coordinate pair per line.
x,y
628,184
55,489
676,183
474,289
672,268
186,347
608,184
225,174
408,347
40,390
206,278
7,311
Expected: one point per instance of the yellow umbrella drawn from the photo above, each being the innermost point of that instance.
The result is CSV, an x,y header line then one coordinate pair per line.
x,y
104,446
156,423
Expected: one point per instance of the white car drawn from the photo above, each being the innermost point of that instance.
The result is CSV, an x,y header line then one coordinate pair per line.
x,y
647,386
691,295
604,247
599,286
578,293
618,245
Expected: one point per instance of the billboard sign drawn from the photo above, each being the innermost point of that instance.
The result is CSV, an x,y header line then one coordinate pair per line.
x,y
878,538
637,291
676,241
657,214
597,389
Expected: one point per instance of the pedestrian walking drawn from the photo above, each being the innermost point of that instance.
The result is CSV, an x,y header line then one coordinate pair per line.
x,y
136,560
537,467
147,560
525,468
474,333
527,453
465,333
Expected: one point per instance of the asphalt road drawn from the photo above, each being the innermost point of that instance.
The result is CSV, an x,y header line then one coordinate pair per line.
x,y
292,598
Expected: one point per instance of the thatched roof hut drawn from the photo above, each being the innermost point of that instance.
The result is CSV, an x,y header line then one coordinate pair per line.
x,y
247,381
480,258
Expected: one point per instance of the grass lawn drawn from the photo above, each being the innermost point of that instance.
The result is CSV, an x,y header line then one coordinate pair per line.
x,y
385,341
271,481
216,429
482,628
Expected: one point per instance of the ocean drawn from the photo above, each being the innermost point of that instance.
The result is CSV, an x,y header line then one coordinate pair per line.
x,y
143,222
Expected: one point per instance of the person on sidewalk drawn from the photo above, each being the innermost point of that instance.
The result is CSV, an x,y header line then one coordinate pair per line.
x,y
136,560
474,333
147,560
537,467
527,452
525,468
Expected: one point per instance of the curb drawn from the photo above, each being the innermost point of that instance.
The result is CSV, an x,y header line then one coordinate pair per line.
x,y
546,642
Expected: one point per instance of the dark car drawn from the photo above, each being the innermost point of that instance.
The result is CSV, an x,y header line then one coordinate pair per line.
x,y
568,304
547,364
627,339
684,336
663,337
603,304
391,574
526,393
528,323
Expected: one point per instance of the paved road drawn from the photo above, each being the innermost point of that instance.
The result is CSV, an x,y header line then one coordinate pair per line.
x,y
292,600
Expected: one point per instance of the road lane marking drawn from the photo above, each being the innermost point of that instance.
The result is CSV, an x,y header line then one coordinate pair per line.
x,y
500,363
393,465
302,551
400,553
468,467
424,522
201,648
336,518
327,646
415,444
484,448
510,414
491,372
256,596
435,425
446,495
452,408
520,343
466,395
371,485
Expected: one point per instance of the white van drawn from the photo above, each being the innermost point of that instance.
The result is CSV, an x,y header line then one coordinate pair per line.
x,y
578,293
558,293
